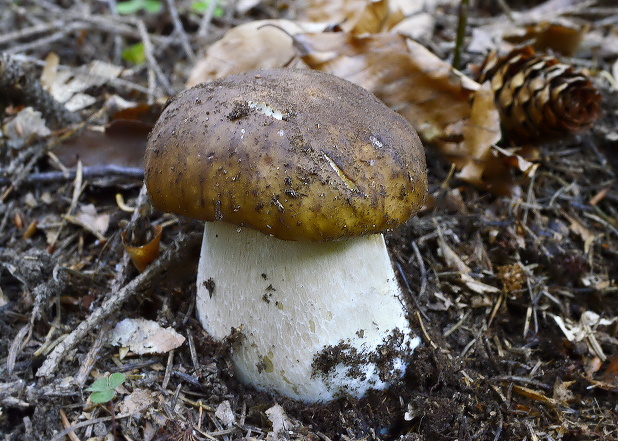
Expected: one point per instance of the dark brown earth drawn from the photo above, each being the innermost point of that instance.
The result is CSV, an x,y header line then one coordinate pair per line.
x,y
492,366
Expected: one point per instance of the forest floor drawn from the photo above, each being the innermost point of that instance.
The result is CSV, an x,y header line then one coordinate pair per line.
x,y
516,296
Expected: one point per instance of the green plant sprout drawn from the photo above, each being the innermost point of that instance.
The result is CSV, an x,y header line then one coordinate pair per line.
x,y
103,388
134,6
134,53
201,6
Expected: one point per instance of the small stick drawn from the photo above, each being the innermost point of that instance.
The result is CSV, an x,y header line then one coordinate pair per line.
x,y
202,31
184,39
152,62
91,172
91,356
461,32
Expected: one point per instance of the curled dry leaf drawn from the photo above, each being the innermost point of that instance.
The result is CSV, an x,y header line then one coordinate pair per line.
x,y
538,97
266,44
145,254
258,44
559,36
358,16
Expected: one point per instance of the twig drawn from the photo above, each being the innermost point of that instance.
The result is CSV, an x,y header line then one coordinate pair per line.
x,y
66,423
184,39
424,331
24,170
68,430
28,32
45,42
152,62
91,356
202,31
421,265
464,7
414,298
91,172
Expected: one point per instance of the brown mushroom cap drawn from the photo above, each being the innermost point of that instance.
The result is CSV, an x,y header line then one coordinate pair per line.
x,y
298,154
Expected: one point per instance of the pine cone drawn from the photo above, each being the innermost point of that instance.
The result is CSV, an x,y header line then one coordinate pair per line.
x,y
539,98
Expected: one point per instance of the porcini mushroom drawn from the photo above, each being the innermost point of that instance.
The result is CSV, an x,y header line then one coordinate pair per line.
x,y
297,174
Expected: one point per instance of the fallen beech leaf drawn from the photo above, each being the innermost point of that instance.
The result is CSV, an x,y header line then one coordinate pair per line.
x,y
480,133
258,44
359,16
371,18
123,143
145,337
563,37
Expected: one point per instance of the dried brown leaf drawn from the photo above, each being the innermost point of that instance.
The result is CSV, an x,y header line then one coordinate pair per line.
x,y
258,44
562,36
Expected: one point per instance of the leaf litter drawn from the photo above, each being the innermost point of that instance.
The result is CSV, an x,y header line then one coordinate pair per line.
x,y
511,266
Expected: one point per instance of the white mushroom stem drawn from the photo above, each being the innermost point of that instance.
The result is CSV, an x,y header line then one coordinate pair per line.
x,y
317,320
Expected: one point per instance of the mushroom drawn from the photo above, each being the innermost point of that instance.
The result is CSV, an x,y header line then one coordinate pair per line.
x,y
297,173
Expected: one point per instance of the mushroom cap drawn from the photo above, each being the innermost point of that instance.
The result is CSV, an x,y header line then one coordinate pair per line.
x,y
297,154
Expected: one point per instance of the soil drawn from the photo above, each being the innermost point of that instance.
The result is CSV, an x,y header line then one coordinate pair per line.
x,y
534,358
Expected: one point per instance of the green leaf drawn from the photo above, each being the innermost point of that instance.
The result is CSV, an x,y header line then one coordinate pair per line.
x,y
101,384
134,53
152,6
129,7
102,396
201,6
116,379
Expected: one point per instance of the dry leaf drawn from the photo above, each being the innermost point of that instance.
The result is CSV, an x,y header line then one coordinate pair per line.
x,y
355,15
562,394
87,215
145,337
137,402
586,329
578,228
258,44
563,37
225,414
3,299
67,86
25,125
280,421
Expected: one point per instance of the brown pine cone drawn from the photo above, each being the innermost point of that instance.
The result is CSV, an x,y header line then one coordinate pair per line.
x,y
539,98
